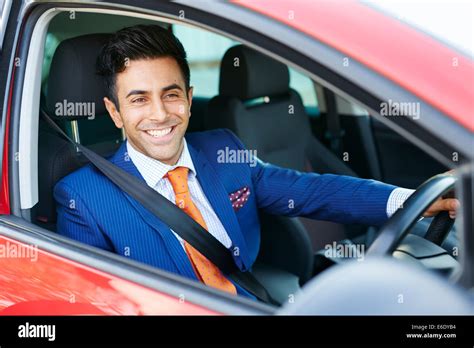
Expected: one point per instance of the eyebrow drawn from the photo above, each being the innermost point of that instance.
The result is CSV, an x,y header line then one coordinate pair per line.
x,y
170,87
164,89
136,91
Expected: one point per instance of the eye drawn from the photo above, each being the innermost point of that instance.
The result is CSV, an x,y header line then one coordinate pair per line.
x,y
171,96
138,100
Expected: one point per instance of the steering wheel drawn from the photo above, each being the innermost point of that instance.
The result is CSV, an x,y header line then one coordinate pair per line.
x,y
398,226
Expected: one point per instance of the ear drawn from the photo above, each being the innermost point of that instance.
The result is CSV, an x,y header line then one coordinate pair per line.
x,y
190,98
113,112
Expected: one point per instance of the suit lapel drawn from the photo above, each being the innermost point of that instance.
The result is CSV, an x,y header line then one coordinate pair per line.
x,y
174,248
219,198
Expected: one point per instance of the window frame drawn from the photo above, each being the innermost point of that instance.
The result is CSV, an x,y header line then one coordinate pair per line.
x,y
4,16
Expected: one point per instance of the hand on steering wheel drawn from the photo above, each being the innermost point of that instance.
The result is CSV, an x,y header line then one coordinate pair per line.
x,y
446,203
398,226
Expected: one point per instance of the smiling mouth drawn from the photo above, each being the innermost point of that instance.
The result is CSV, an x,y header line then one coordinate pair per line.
x,y
160,133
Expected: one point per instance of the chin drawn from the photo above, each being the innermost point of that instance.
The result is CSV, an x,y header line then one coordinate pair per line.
x,y
165,156
162,152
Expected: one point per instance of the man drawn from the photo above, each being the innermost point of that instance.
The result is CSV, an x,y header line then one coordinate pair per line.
x,y
149,96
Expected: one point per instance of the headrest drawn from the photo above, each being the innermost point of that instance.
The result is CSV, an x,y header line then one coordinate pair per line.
x,y
248,74
74,88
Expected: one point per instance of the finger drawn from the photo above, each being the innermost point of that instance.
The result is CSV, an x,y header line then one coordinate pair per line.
x,y
454,204
449,204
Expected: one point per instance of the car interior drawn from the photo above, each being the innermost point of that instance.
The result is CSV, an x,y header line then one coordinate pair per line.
x,y
255,106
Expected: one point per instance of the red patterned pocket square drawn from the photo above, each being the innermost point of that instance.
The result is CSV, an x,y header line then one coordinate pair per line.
x,y
239,197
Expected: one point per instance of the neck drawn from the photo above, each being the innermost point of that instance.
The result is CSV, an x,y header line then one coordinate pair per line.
x,y
174,160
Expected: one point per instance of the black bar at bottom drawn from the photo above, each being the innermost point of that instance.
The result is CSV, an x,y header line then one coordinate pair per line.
x,y
136,331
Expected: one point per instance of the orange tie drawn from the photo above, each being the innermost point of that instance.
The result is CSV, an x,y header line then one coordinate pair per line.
x,y
205,270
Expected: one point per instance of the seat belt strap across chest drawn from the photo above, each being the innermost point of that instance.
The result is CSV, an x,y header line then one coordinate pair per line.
x,y
180,222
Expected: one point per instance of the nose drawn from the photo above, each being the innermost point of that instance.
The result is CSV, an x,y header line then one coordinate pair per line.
x,y
158,111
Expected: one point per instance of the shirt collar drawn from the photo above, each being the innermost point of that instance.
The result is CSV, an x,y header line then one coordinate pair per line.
x,y
153,170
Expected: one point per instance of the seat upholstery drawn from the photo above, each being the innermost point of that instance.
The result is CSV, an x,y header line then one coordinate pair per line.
x,y
256,102
278,126
72,79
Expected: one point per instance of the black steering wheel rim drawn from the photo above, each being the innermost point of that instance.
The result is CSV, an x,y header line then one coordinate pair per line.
x,y
397,227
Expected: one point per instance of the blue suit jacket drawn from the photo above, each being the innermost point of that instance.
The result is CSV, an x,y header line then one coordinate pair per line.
x,y
91,209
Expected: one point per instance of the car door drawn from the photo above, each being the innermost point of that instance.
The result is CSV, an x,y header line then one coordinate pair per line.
x,y
395,153
372,149
8,13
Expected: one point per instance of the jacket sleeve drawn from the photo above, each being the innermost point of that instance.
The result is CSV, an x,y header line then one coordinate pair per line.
x,y
75,220
336,198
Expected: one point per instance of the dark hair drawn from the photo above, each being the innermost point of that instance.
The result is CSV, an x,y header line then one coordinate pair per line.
x,y
138,42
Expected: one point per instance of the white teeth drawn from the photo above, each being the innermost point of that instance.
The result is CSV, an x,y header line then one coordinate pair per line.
x,y
159,133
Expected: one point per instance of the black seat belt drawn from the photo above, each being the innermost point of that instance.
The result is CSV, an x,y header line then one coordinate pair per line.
x,y
180,222
334,133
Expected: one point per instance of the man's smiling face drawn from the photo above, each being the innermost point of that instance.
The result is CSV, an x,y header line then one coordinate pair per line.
x,y
154,107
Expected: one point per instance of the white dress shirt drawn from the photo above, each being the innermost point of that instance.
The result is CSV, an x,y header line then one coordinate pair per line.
x,y
397,198
154,171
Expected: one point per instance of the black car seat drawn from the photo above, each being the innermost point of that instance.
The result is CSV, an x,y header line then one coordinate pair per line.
x,y
256,102
72,79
